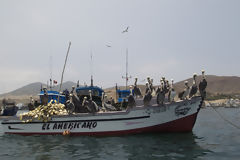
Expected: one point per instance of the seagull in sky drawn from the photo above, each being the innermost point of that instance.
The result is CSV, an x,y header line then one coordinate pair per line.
x,y
126,30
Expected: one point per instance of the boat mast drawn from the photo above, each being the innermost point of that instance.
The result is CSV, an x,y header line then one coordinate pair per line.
x,y
63,70
50,66
126,77
91,70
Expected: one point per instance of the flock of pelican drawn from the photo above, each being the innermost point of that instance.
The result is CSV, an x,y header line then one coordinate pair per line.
x,y
166,92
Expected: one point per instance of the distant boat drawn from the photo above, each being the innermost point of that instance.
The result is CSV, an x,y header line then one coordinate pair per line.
x,y
8,108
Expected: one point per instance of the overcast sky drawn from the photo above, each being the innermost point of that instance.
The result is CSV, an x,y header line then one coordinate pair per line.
x,y
171,38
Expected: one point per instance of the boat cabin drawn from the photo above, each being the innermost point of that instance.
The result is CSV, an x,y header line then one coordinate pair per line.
x,y
95,91
53,95
123,95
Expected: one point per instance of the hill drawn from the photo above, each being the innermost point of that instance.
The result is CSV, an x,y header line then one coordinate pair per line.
x,y
216,84
227,85
23,94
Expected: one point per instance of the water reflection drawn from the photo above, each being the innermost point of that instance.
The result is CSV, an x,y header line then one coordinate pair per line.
x,y
145,146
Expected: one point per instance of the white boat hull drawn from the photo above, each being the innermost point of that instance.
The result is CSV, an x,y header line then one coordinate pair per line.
x,y
175,117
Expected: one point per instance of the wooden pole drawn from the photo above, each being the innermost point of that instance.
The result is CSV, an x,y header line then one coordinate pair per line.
x,y
63,70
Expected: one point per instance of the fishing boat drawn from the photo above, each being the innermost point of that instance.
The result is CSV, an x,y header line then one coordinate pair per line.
x,y
137,117
171,117
8,108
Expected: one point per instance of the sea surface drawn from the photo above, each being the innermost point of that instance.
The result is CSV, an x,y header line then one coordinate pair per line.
x,y
212,138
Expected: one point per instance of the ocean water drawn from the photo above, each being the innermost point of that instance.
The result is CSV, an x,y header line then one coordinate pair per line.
x,y
212,138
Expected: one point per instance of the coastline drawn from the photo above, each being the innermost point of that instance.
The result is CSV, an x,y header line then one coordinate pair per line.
x,y
228,103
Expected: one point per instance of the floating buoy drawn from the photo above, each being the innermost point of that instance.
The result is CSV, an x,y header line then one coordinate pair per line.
x,y
66,133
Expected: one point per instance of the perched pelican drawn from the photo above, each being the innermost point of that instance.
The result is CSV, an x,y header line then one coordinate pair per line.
x,y
131,101
147,88
69,104
165,85
194,87
137,91
182,95
91,104
203,85
73,87
66,93
78,105
85,104
152,88
44,98
172,92
148,95
126,30
160,94
150,82
105,105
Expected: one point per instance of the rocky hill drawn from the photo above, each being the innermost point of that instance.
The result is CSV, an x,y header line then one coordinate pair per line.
x,y
227,85
216,84
23,94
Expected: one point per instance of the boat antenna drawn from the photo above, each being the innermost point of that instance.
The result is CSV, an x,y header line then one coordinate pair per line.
x,y
91,66
50,66
126,77
64,69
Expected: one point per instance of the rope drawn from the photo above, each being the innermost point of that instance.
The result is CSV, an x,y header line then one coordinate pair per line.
x,y
226,119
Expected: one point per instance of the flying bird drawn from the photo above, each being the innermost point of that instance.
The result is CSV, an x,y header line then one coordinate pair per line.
x,y
126,30
108,46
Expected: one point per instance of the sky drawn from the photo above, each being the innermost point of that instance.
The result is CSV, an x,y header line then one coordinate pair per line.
x,y
171,38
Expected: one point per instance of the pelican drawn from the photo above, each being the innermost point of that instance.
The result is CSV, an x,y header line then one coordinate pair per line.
x,y
131,101
152,88
194,87
150,82
203,85
73,87
105,105
137,91
70,105
45,97
126,30
160,94
147,88
165,85
92,106
172,92
85,104
182,95
148,96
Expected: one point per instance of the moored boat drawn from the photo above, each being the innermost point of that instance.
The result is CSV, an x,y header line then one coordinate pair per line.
x,y
8,108
171,117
